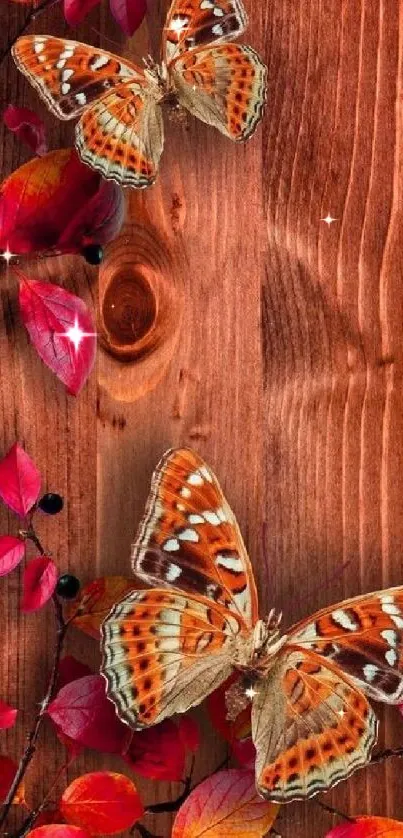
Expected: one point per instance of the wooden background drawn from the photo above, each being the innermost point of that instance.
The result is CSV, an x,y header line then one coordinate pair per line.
x,y
287,374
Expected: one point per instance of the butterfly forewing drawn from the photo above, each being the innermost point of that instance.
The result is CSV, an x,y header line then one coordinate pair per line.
x,y
68,75
164,652
363,636
224,86
194,23
311,727
189,538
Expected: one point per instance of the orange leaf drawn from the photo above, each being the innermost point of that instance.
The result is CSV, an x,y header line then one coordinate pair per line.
x,y
102,802
368,828
59,830
96,601
224,805
8,770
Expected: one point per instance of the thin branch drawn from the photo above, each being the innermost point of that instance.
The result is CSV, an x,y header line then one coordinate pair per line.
x,y
143,831
333,811
30,17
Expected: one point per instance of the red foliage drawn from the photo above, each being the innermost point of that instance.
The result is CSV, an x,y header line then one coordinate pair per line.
x,y
39,582
158,752
8,716
128,14
103,802
28,127
8,770
71,669
11,552
55,830
20,481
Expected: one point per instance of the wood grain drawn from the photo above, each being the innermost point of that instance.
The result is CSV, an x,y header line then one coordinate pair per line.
x,y
287,374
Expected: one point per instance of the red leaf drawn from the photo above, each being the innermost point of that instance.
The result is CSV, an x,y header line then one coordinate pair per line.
x,y
82,711
76,10
52,317
102,802
225,804
11,552
71,669
7,716
8,770
57,203
20,481
158,752
244,751
189,733
28,127
128,14
48,816
368,828
61,830
39,583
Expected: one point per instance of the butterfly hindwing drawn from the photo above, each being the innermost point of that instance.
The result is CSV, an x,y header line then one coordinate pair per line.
x,y
363,636
194,23
311,727
224,86
164,652
68,75
189,538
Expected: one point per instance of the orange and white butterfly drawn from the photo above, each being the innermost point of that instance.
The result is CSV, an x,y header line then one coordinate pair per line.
x,y
121,131
167,648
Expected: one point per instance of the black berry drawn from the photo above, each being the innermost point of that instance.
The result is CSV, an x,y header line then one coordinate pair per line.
x,y
68,586
93,254
51,503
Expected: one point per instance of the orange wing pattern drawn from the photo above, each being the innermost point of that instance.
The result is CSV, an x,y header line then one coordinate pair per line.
x,y
194,23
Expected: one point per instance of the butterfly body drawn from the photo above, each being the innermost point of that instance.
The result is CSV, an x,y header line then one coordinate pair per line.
x,y
167,648
119,105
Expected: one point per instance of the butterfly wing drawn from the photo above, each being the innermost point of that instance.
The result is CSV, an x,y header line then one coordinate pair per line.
x,y
193,23
122,135
311,727
363,636
224,86
189,538
164,652
68,75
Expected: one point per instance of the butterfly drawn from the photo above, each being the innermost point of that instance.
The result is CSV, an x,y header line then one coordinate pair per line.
x,y
167,648
121,131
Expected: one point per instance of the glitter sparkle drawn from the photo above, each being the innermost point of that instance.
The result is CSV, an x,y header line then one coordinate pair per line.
x,y
329,219
76,334
178,24
251,692
7,255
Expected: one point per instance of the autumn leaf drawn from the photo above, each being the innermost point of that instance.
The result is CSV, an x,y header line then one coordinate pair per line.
x,y
128,14
244,752
57,203
61,830
38,584
8,769
82,712
96,600
20,481
189,733
157,752
54,319
27,126
76,10
225,804
8,716
368,828
71,669
103,802
11,552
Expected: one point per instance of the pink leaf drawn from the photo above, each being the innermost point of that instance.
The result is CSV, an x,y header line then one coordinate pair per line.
x,y
82,711
28,127
76,10
8,716
128,14
20,481
39,583
157,753
54,319
11,552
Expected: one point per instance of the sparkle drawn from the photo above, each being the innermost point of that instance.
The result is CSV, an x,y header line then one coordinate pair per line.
x,y
251,692
76,334
341,713
7,255
329,219
178,24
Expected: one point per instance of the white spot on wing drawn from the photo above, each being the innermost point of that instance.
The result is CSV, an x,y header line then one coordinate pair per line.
x,y
188,535
390,636
195,479
230,562
39,46
217,30
212,518
171,545
391,657
65,89
344,620
99,61
81,98
204,471
67,53
185,492
67,74
174,572
370,672
195,519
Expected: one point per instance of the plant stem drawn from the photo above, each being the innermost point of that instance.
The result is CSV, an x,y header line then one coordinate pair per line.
x,y
333,811
31,16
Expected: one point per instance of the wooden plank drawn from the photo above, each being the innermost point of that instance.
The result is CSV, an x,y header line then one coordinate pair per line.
x,y
287,374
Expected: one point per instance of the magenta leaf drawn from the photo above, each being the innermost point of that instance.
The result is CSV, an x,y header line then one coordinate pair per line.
x,y
8,716
76,10
20,481
39,582
62,330
28,127
82,712
128,14
11,552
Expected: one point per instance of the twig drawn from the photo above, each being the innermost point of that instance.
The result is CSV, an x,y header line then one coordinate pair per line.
x,y
382,755
333,811
30,17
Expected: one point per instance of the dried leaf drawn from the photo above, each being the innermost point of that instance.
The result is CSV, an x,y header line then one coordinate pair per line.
x,y
8,716
28,127
82,711
8,769
39,582
96,600
54,319
102,802
128,14
225,804
11,552
20,481
368,828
